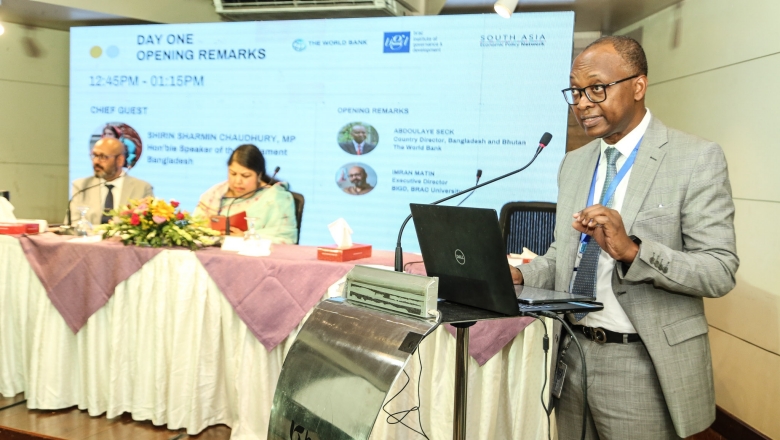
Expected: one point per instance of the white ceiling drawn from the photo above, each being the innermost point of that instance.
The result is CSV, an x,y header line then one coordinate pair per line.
x,y
604,16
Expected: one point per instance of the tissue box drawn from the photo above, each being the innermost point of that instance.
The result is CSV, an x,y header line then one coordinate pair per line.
x,y
333,253
13,228
35,226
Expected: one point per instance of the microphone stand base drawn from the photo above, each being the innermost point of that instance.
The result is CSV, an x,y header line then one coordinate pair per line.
x,y
65,230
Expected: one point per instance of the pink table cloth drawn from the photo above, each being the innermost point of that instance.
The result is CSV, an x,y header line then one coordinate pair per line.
x,y
273,294
270,294
81,277
486,338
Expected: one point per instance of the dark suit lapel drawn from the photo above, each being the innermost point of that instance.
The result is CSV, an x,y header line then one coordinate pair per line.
x,y
648,160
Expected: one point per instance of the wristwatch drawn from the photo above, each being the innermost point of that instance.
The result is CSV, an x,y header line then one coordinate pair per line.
x,y
638,242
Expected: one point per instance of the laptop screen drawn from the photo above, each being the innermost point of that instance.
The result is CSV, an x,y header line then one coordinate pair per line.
x,y
464,248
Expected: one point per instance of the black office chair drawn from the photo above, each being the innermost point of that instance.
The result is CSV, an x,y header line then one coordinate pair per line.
x,y
299,201
528,224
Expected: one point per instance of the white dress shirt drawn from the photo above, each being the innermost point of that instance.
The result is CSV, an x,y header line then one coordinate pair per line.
x,y
613,317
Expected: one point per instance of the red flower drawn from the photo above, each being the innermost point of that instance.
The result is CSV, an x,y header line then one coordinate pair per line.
x,y
179,216
175,204
135,220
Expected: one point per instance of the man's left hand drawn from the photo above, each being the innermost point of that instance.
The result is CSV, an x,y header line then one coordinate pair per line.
x,y
606,227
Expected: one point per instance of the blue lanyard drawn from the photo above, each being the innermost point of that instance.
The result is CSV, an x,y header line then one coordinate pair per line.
x,y
615,181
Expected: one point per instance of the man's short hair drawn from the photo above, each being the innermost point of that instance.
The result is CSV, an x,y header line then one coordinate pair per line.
x,y
628,49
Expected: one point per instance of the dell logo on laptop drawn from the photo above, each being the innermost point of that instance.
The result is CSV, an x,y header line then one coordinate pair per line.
x,y
460,257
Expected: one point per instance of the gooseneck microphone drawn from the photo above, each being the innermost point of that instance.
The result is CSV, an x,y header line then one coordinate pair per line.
x,y
399,253
276,170
242,196
479,174
67,212
247,194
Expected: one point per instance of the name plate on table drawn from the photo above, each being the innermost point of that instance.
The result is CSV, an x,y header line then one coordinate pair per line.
x,y
393,292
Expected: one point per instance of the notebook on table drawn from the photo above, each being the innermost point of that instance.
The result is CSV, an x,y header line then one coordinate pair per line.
x,y
218,222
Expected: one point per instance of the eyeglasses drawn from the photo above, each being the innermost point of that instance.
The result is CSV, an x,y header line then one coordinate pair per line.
x,y
595,93
102,157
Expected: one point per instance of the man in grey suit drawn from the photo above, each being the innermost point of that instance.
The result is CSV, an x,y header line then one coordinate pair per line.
x,y
110,187
661,237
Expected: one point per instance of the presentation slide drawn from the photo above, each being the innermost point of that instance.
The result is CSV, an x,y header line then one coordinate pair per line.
x,y
431,99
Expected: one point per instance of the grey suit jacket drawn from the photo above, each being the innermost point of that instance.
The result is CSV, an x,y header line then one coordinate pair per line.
x,y
132,188
678,202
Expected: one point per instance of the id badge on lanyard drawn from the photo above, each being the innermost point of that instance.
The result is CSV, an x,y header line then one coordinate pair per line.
x,y
584,238
580,251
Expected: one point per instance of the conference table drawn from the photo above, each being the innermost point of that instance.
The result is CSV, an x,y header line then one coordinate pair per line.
x,y
192,339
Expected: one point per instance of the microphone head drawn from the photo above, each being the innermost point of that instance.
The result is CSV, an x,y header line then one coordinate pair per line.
x,y
479,174
545,140
276,170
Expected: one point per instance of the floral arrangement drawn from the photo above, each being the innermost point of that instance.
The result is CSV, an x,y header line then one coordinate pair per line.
x,y
154,222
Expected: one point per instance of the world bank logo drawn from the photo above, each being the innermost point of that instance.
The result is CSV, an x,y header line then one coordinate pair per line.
x,y
397,42
299,45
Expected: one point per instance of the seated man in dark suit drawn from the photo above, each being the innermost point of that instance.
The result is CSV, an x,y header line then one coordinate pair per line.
x,y
110,187
358,144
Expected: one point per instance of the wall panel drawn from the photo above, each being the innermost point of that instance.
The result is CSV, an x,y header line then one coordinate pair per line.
x,y
51,49
712,34
752,310
732,106
717,83
34,120
746,381
37,190
34,123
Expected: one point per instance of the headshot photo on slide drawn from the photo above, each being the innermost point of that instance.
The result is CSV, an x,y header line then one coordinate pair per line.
x,y
356,178
358,138
125,134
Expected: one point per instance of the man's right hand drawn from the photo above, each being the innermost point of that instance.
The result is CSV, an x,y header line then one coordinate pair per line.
x,y
517,276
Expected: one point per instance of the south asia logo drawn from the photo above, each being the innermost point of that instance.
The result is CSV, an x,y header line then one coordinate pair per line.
x,y
511,40
299,44
397,42
532,40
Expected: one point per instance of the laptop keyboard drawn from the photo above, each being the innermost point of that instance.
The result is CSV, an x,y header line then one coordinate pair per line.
x,y
560,307
537,306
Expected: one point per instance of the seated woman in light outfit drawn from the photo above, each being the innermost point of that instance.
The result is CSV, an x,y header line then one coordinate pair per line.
x,y
247,191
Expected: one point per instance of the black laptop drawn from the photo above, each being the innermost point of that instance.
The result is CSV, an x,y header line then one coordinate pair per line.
x,y
464,248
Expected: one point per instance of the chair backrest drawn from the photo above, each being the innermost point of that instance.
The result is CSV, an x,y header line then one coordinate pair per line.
x,y
528,224
299,201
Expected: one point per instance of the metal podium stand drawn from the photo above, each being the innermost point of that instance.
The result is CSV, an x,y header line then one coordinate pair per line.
x,y
462,317
344,361
339,371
